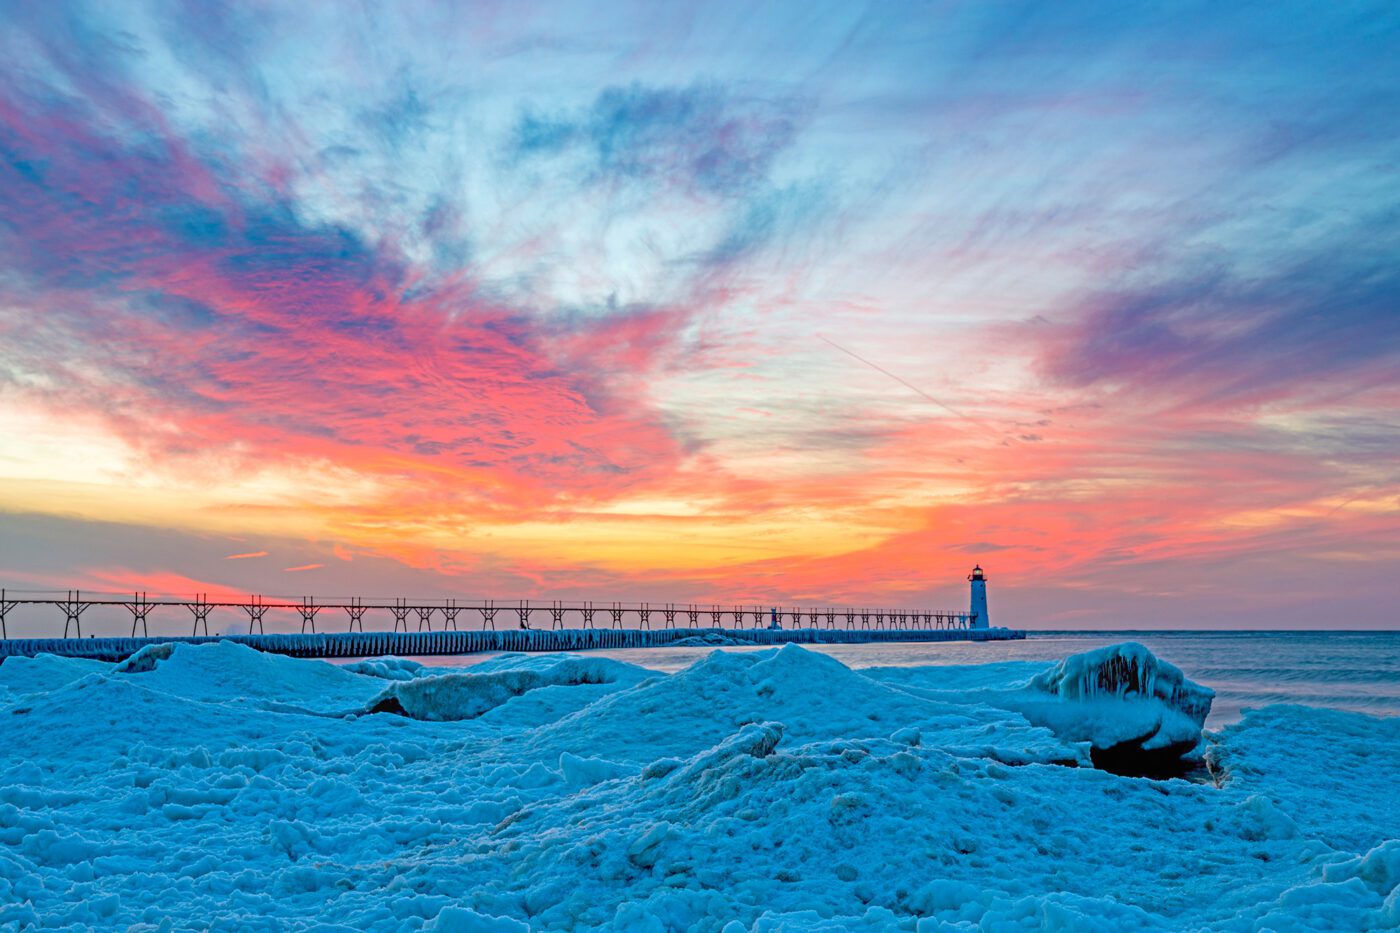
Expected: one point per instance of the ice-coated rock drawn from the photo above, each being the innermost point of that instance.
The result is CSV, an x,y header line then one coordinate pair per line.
x,y
1140,714
1126,671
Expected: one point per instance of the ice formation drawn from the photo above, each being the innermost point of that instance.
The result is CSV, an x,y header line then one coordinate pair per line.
x,y
466,695
771,790
1140,714
1126,671
1129,711
388,668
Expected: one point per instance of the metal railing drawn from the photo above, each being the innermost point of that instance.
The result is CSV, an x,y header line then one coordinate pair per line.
x,y
402,611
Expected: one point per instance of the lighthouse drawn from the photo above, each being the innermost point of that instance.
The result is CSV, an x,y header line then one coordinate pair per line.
x,y
979,597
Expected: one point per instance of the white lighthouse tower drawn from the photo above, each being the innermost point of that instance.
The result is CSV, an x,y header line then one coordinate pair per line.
x,y
979,597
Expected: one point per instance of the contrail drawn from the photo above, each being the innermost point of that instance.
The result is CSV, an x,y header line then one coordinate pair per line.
x,y
904,382
1365,491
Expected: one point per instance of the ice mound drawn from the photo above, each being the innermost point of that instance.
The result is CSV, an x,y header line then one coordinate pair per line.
x,y
20,676
463,695
840,834
388,668
228,672
68,726
813,694
1361,893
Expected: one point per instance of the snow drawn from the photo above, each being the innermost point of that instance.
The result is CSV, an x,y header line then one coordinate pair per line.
x,y
21,677
771,790
1343,764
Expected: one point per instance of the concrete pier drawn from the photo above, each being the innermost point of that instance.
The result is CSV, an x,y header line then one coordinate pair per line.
x,y
409,644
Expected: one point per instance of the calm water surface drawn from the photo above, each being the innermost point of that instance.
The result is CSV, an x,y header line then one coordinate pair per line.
x,y
1358,671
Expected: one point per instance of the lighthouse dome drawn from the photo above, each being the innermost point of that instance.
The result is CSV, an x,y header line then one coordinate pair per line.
x,y
977,573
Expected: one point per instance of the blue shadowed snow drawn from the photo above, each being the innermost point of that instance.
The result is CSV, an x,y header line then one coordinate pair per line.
x,y
758,790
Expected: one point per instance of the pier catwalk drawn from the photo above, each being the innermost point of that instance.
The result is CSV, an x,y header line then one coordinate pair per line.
x,y
651,625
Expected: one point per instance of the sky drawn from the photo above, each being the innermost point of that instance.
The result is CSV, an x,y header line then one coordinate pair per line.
x,y
797,303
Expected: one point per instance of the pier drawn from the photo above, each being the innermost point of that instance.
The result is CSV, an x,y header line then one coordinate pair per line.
x,y
443,627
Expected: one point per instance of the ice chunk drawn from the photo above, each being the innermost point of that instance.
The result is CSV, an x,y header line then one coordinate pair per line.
x,y
1257,818
146,658
1378,869
1127,711
1126,671
1140,714
467,695
582,772
640,852
387,668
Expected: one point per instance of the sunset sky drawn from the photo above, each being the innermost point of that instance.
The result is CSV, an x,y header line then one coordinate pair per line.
x,y
780,303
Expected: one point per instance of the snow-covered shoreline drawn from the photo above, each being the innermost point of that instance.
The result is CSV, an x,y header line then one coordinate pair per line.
x,y
765,790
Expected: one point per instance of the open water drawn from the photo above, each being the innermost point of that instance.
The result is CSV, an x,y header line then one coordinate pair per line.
x,y
1358,671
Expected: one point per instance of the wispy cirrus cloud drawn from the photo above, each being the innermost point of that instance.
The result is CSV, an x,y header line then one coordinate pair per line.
x,y
1310,325
706,140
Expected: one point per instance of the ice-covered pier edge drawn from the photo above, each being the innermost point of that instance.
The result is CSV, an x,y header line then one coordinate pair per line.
x,y
408,644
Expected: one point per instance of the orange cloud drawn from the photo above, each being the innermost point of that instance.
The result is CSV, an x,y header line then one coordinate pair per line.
x,y
159,584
